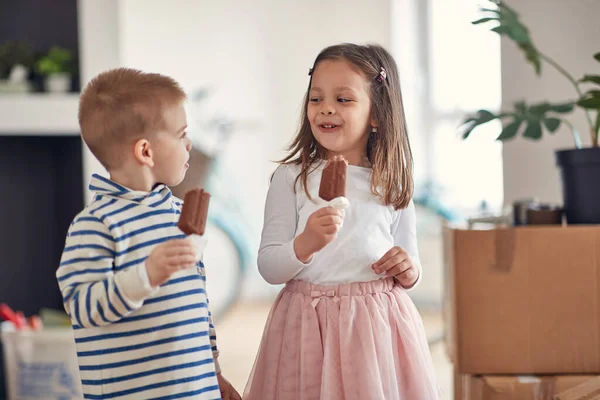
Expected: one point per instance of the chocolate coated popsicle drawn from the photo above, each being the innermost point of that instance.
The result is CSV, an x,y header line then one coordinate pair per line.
x,y
333,179
194,212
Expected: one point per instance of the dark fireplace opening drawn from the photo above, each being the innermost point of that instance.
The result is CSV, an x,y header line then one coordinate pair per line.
x,y
41,190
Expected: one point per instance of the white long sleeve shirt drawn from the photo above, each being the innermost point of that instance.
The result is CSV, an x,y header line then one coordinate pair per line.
x,y
369,230
134,341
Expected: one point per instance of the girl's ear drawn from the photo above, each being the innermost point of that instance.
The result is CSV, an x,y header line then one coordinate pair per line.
x,y
374,124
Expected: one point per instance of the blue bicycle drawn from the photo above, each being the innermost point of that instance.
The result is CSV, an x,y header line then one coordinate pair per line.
x,y
231,250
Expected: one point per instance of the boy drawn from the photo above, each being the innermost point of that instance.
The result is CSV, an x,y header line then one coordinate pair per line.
x,y
128,276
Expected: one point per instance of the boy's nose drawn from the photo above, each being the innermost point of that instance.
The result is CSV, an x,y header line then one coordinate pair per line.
x,y
188,145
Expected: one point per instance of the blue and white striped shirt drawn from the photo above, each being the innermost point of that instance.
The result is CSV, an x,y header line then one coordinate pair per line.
x,y
134,341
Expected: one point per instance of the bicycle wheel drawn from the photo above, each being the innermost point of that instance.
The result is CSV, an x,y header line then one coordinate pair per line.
x,y
224,270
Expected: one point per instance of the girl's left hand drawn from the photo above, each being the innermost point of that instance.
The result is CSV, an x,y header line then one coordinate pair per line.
x,y
397,263
227,390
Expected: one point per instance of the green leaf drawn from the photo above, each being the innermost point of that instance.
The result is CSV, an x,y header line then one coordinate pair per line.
x,y
485,116
508,10
480,118
540,109
591,79
502,30
519,34
562,108
598,123
590,99
496,11
533,57
533,130
521,107
591,102
510,130
483,20
512,27
597,57
551,124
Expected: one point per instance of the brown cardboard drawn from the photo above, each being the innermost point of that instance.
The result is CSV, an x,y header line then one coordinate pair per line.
x,y
523,300
566,387
588,390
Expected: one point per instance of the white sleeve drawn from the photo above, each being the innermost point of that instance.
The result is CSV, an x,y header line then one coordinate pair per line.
x,y
404,231
277,260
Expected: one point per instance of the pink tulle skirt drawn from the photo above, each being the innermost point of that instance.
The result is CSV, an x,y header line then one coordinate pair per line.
x,y
343,342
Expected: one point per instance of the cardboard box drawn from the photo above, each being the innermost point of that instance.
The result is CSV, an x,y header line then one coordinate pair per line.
x,y
469,387
523,300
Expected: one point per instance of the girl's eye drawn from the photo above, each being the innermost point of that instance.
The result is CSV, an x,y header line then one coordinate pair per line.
x,y
344,100
314,99
184,135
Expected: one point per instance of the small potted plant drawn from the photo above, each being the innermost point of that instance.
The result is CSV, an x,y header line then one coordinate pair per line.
x,y
57,68
580,167
16,61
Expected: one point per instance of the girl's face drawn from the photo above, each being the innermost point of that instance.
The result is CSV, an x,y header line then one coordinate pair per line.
x,y
339,110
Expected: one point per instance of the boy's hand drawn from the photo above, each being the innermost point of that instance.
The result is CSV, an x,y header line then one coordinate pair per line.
x,y
227,390
321,229
169,257
397,263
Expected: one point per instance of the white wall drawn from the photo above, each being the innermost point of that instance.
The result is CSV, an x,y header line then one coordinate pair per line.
x,y
569,32
98,29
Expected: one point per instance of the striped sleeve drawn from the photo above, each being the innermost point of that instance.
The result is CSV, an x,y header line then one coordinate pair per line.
x,y
211,326
213,342
93,294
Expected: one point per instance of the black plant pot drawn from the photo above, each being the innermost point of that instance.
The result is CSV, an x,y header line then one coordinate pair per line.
x,y
580,171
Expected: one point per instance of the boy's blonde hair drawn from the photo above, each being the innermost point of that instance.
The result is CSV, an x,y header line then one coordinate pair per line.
x,y
121,106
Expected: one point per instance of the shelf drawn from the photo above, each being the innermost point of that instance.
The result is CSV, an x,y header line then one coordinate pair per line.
x,y
36,114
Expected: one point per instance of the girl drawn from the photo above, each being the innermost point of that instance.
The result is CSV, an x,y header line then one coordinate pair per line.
x,y
344,327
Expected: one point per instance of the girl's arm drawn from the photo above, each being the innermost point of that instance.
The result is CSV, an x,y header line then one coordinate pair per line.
x,y
277,260
404,231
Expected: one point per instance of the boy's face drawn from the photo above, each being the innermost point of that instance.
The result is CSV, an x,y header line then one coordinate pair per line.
x,y
171,147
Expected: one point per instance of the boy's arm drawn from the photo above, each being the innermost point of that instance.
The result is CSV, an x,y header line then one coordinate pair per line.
x,y
213,340
212,333
94,294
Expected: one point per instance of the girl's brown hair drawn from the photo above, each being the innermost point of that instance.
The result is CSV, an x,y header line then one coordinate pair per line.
x,y
388,150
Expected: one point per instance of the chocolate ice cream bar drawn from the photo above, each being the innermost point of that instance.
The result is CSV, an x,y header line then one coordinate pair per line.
x,y
333,179
194,212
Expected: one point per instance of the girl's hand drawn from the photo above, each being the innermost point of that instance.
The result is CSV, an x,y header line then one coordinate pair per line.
x,y
228,392
321,229
397,263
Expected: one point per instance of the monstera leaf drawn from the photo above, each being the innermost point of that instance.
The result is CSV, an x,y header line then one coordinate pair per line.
x,y
533,119
510,26
590,100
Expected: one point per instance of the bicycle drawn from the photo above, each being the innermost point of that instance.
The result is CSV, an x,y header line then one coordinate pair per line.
x,y
231,251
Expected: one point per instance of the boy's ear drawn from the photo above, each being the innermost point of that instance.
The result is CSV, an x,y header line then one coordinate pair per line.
x,y
143,153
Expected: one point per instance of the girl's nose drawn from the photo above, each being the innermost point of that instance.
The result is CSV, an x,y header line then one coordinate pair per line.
x,y
327,109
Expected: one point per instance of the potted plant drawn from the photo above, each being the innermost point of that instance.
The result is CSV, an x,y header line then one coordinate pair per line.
x,y
57,67
16,61
580,167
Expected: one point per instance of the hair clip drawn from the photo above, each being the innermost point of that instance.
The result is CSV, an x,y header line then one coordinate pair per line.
x,y
382,75
310,71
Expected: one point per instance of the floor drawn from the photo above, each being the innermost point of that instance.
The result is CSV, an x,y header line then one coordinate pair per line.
x,y
239,334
